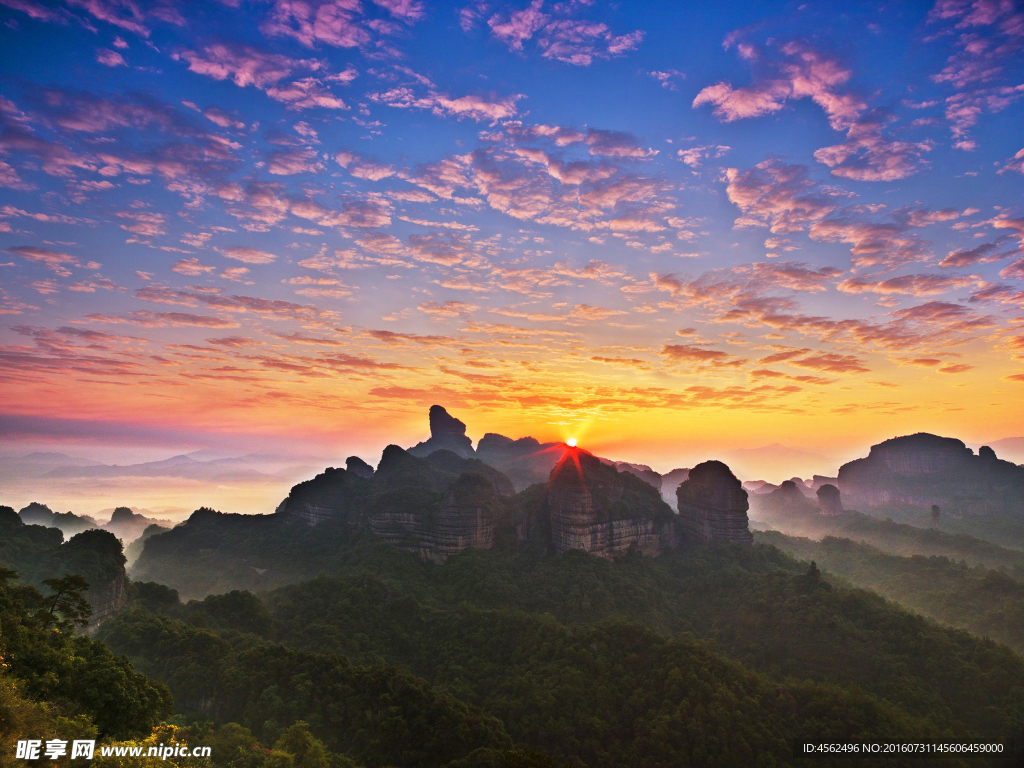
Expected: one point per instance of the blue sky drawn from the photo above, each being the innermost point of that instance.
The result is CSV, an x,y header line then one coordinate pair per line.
x,y
656,224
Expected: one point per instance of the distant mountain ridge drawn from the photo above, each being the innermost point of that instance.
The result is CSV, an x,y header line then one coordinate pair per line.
x,y
923,470
124,523
198,465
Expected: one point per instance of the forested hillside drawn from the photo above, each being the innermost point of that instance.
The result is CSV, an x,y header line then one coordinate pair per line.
x,y
986,602
701,654
896,538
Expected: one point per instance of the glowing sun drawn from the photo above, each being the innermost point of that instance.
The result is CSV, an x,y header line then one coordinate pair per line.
x,y
571,442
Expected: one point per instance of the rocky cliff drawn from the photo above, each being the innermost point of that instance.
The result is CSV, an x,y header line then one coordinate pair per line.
x,y
436,501
923,469
596,508
829,500
128,525
446,433
713,505
107,598
435,505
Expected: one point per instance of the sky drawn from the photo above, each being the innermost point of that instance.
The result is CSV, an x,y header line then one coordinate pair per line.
x,y
666,229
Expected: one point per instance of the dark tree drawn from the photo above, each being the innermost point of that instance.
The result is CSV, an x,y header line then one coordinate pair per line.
x,y
68,600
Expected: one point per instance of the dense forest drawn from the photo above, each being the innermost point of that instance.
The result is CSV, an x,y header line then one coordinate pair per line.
x,y
987,602
38,553
567,653
358,653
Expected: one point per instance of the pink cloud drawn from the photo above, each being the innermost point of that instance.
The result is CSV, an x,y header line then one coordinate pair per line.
x,y
247,66
191,267
1014,272
293,162
472,106
693,156
110,58
980,254
520,26
572,41
305,93
803,73
1014,164
779,196
55,261
686,353
616,144
407,10
335,23
249,255
363,168
873,243
963,110
148,319
908,285
244,65
791,275
991,34
867,155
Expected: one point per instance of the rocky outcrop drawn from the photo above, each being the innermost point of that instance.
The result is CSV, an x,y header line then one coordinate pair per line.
x,y
446,433
107,598
713,505
331,496
594,507
358,467
829,500
525,461
819,480
434,506
436,501
128,525
465,517
923,469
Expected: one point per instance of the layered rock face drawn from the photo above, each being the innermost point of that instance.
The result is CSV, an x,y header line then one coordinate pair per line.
x,y
713,505
466,517
331,496
433,506
436,501
525,461
106,599
829,500
596,508
446,433
921,470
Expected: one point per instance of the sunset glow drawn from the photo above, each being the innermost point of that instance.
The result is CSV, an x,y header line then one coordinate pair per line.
x,y
683,229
